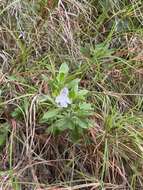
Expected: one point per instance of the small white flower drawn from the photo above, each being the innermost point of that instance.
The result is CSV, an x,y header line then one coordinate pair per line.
x,y
63,100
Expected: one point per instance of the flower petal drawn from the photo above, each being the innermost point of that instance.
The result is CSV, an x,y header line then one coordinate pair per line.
x,y
63,100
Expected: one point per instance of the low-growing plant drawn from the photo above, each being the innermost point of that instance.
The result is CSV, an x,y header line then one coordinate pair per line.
x,y
68,108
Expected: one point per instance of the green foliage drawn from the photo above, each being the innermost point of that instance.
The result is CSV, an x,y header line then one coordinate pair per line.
x,y
76,116
101,51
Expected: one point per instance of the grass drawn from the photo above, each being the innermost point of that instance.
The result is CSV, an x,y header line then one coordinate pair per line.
x,y
102,42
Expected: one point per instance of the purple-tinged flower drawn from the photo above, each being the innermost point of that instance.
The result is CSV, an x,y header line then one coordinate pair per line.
x,y
63,100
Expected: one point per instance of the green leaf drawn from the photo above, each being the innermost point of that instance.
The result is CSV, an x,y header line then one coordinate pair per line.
x,y
46,98
101,51
61,77
82,94
68,124
73,84
72,94
61,125
85,113
63,72
81,123
85,106
64,123
64,69
49,115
